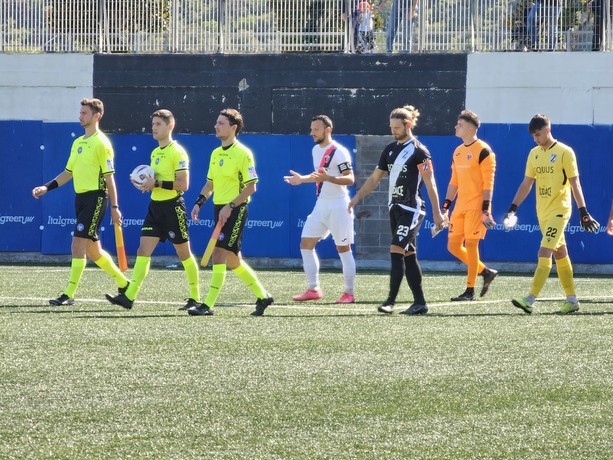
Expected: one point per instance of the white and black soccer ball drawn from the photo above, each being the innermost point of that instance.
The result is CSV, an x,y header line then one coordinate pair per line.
x,y
140,174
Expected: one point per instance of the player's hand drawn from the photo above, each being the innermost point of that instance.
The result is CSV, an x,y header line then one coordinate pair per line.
x,y
39,191
439,220
195,212
224,214
148,184
510,220
588,223
321,175
294,179
116,216
487,220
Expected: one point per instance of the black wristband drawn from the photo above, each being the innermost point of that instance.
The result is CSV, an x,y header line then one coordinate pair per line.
x,y
446,204
51,185
201,200
168,184
583,211
485,207
512,208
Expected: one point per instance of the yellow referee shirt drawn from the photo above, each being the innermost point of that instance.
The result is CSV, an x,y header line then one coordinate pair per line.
x,y
166,161
230,170
552,168
90,160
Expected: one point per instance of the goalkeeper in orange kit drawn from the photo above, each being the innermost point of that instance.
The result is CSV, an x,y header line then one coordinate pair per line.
x,y
472,181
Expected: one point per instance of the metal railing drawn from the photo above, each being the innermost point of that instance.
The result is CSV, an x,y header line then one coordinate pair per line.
x,y
280,26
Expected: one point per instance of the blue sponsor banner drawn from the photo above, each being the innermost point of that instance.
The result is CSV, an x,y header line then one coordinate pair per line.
x,y
20,213
278,211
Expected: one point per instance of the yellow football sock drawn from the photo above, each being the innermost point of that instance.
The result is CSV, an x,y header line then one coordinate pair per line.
x,y
191,273
246,274
77,267
217,279
105,262
565,275
543,268
140,272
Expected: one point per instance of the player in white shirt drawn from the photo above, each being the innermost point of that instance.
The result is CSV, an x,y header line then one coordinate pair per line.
x,y
332,175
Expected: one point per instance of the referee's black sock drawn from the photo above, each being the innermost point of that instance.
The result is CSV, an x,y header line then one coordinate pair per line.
x,y
414,276
396,275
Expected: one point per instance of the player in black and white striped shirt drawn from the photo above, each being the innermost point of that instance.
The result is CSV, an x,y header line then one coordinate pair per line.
x,y
409,165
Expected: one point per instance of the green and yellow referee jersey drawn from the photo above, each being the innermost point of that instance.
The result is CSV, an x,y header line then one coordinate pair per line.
x,y
166,161
90,160
552,168
230,170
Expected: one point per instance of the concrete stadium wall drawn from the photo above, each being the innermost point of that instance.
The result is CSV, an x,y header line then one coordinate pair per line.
x,y
45,87
279,94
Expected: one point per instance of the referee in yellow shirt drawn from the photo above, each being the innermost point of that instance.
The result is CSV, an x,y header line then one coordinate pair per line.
x,y
91,168
167,216
553,166
232,180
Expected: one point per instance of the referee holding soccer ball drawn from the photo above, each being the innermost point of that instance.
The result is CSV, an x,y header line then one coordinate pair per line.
x,y
167,216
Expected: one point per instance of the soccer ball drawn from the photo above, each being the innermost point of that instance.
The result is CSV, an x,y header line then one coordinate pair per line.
x,y
140,173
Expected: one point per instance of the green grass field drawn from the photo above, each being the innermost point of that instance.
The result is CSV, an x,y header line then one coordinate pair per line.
x,y
478,380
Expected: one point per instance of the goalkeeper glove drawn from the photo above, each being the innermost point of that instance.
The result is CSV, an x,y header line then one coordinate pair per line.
x,y
487,220
510,219
588,223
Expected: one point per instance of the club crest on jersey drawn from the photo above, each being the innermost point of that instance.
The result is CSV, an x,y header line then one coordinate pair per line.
x,y
80,150
157,161
469,156
552,158
221,162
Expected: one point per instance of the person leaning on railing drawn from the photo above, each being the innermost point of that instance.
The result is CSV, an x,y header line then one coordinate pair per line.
x,y
547,13
408,22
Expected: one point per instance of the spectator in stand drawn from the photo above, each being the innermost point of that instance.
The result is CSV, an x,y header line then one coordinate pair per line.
x,y
599,10
408,10
546,13
364,26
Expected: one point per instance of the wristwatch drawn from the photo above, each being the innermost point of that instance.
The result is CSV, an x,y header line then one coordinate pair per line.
x,y
232,205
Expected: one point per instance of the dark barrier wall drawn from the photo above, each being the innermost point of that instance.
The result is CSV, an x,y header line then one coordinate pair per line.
x,y
278,94
35,152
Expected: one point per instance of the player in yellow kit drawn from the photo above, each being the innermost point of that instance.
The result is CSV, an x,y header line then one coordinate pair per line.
x,y
91,168
167,215
553,166
232,180
472,181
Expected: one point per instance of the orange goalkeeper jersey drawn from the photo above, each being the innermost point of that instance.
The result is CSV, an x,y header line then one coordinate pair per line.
x,y
472,171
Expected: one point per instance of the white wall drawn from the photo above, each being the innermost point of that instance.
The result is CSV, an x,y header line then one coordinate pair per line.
x,y
571,88
44,87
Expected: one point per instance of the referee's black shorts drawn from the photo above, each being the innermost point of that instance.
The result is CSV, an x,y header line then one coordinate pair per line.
x,y
167,220
231,235
90,208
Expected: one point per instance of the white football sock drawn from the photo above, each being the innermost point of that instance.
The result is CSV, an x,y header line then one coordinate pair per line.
x,y
311,267
348,270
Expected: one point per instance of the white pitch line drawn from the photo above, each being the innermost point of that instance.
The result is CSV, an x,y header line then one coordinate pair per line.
x,y
307,306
